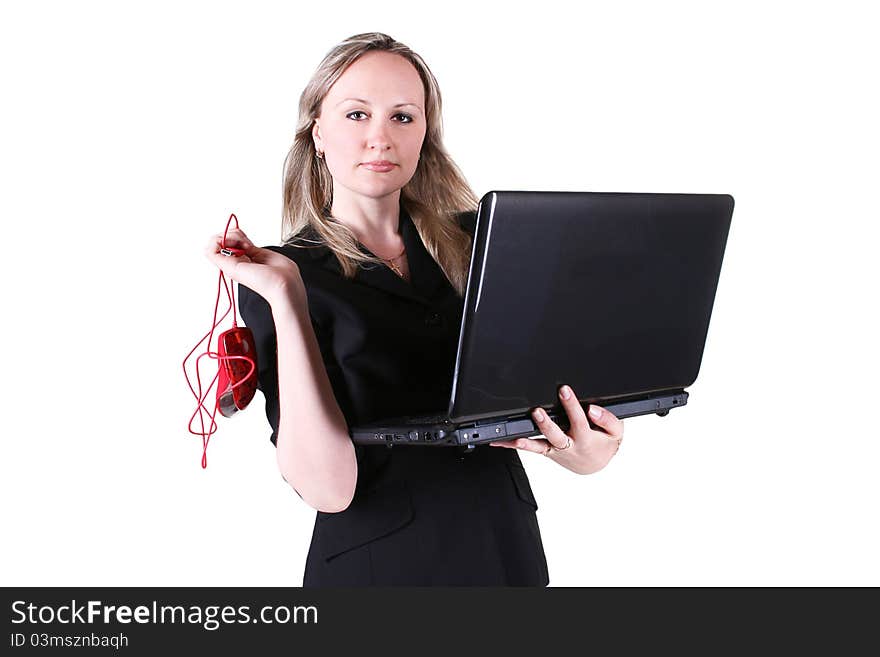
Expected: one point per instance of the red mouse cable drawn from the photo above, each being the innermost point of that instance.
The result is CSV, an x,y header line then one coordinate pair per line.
x,y
232,339
222,357
209,335
198,395
201,408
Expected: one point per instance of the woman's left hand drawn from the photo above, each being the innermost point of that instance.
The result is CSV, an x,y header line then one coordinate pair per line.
x,y
582,449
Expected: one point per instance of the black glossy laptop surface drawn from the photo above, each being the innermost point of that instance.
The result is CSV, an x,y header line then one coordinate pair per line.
x,y
610,293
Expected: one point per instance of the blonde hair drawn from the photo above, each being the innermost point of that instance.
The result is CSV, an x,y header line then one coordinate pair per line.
x,y
433,197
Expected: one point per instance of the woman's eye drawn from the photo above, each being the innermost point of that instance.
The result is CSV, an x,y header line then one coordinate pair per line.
x,y
407,117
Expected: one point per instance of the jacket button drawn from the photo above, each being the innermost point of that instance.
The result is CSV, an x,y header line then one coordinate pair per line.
x,y
434,319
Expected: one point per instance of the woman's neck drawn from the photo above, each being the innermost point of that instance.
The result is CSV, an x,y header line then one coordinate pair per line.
x,y
373,221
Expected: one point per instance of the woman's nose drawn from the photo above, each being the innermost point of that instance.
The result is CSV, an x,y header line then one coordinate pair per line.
x,y
378,138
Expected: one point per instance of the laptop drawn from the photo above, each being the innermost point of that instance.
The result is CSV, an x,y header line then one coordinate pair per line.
x,y
610,293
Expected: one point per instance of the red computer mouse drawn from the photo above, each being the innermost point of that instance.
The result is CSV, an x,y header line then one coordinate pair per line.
x,y
236,342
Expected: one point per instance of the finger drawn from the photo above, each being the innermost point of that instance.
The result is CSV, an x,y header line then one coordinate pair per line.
x,y
606,420
537,446
228,263
234,240
549,429
577,417
239,236
217,243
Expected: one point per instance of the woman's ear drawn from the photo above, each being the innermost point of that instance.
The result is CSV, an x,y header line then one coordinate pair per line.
x,y
316,136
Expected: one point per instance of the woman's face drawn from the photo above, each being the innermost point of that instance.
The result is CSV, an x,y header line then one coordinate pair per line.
x,y
374,111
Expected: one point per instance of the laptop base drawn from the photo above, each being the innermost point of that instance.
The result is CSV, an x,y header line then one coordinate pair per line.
x,y
444,433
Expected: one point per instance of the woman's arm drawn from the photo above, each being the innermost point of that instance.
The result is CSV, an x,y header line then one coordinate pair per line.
x,y
315,453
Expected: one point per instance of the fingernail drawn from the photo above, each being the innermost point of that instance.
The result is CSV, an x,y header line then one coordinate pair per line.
x,y
539,415
565,392
595,412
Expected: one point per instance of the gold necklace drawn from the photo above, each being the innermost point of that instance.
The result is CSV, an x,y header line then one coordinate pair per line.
x,y
391,264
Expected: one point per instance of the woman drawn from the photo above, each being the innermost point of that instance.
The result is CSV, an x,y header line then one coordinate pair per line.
x,y
356,318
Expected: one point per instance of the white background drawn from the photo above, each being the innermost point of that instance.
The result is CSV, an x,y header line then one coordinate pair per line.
x,y
130,131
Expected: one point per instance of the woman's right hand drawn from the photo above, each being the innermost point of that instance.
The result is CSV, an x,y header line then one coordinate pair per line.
x,y
266,272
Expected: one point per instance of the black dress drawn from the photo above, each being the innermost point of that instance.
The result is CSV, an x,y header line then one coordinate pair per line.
x,y
420,516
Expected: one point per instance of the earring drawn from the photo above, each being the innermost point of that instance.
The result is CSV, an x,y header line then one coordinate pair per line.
x,y
319,154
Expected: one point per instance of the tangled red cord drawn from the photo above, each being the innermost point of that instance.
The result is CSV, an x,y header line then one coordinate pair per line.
x,y
237,365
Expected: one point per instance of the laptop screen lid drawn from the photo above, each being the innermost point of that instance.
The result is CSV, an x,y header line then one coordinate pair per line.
x,y
610,293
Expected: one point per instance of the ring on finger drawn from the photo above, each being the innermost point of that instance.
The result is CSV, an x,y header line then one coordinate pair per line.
x,y
567,445
551,447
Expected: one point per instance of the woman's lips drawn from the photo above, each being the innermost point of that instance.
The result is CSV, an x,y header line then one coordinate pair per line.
x,y
380,168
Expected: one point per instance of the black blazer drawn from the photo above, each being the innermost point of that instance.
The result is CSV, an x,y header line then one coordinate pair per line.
x,y
420,515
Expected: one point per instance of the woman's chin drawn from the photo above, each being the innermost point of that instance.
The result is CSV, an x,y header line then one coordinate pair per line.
x,y
378,191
